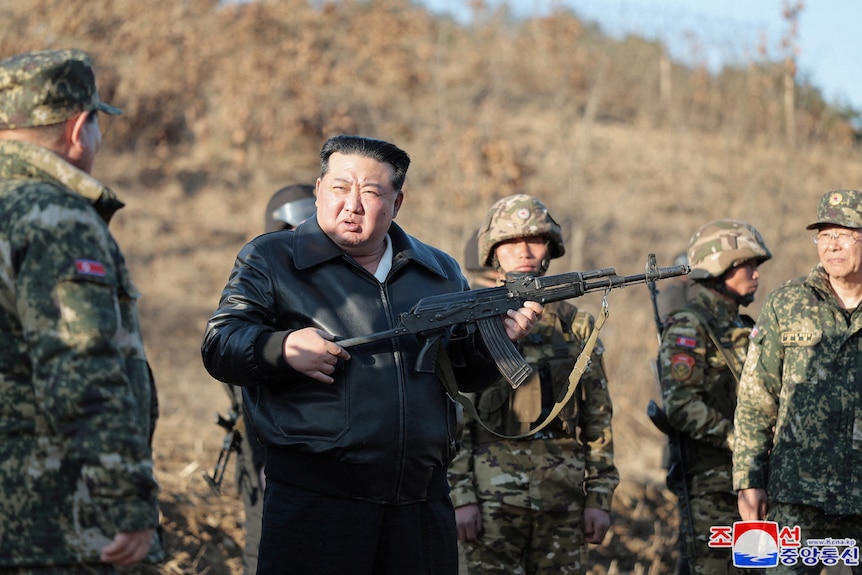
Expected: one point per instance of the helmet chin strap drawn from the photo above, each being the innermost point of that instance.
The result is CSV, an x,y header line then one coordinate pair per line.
x,y
744,300
718,285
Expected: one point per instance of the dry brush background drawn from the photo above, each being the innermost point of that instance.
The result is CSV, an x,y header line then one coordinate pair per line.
x,y
632,152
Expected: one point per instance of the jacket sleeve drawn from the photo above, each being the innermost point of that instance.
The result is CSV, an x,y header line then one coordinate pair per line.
x,y
757,403
93,387
601,475
240,345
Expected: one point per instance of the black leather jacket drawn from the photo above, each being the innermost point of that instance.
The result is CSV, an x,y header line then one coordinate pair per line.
x,y
382,432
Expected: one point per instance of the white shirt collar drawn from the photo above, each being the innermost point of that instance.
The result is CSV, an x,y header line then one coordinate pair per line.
x,y
385,263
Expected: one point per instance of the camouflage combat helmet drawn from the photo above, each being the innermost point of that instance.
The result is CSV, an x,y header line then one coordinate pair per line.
x,y
518,216
471,254
289,207
719,245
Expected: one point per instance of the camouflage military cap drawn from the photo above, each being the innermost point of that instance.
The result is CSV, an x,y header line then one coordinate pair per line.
x,y
47,87
841,208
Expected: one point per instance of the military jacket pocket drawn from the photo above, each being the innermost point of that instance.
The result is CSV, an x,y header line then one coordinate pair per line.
x,y
803,356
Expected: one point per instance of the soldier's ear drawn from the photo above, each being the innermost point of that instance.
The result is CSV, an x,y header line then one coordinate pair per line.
x,y
75,130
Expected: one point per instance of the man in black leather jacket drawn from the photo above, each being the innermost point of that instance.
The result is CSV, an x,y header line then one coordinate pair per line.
x,y
357,443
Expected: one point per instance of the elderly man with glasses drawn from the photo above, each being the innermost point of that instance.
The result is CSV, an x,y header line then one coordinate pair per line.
x,y
798,438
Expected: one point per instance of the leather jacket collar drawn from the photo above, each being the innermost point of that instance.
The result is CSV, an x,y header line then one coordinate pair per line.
x,y
313,247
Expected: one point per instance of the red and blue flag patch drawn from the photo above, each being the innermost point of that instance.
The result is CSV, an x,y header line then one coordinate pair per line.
x,y
90,268
689,342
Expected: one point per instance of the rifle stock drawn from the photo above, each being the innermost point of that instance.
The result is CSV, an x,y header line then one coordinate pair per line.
x,y
432,316
234,428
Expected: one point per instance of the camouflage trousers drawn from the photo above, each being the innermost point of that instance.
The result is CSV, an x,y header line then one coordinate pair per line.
x,y
814,524
248,485
518,541
708,509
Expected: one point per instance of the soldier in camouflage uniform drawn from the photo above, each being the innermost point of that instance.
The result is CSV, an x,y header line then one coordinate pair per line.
x,y
78,403
702,351
798,439
530,506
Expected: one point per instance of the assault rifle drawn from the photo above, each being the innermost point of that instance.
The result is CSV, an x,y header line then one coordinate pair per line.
x,y
432,316
677,480
233,425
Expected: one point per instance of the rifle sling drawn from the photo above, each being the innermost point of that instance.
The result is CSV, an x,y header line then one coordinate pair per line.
x,y
447,376
729,359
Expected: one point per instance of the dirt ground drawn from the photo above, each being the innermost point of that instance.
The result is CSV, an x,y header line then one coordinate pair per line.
x,y
203,530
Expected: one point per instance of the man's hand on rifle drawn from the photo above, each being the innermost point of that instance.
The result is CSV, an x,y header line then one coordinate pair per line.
x,y
519,323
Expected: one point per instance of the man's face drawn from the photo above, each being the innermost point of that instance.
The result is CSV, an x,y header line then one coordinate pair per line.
x,y
356,203
742,280
522,255
840,251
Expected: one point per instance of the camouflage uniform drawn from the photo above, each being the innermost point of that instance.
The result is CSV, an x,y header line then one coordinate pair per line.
x,y
699,386
79,403
699,394
799,417
532,492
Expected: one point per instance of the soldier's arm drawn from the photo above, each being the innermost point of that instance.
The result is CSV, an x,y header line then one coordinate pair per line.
x,y
462,484
683,363
601,475
757,403
70,302
462,479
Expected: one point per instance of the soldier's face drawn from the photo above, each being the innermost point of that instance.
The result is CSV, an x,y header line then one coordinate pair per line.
x,y
522,255
840,260
742,280
356,203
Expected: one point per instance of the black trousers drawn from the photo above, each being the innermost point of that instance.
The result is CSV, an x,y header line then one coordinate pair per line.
x,y
308,533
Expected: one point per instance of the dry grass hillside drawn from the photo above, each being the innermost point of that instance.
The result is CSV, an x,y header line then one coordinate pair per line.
x,y
223,105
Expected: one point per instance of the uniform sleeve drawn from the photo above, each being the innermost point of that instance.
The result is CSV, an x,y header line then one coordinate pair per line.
x,y
683,362
757,403
462,479
90,377
601,475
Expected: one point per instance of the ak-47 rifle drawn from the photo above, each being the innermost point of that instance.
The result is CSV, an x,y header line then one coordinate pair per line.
x,y
677,481
232,423
432,316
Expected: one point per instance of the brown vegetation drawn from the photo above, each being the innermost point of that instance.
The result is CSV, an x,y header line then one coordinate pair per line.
x,y
223,105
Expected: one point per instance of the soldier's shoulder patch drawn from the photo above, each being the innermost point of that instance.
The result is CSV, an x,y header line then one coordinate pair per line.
x,y
684,341
90,268
681,366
